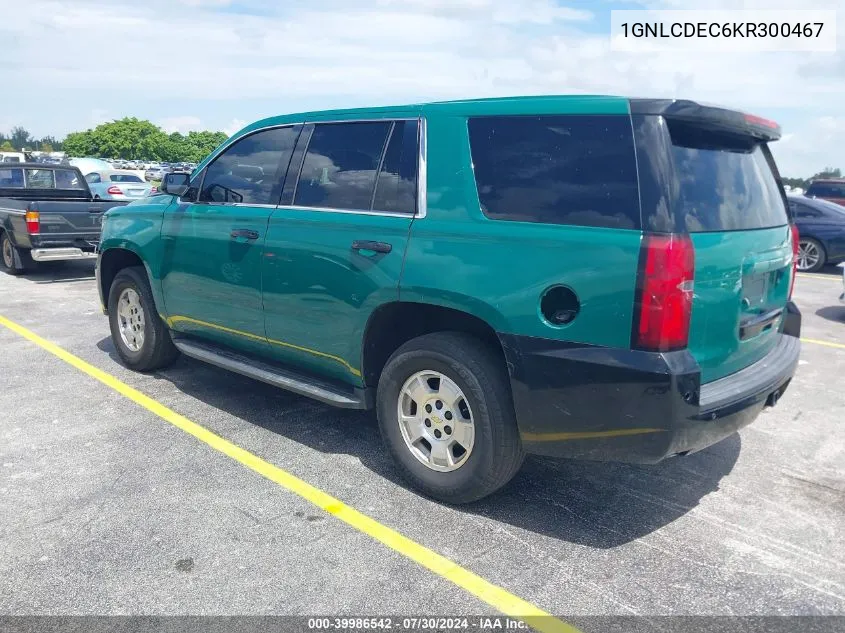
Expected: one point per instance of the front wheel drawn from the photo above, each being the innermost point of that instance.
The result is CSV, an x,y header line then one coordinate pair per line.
x,y
447,417
811,255
139,335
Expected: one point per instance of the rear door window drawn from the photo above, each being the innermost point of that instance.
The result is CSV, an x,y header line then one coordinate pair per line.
x,y
340,166
724,184
250,170
567,169
396,189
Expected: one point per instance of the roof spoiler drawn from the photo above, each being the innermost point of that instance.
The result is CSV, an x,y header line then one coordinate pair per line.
x,y
712,117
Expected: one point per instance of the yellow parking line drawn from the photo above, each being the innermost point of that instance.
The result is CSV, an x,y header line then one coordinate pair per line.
x,y
825,343
498,598
836,278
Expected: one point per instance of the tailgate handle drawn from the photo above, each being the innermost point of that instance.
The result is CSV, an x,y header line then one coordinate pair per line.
x,y
95,210
752,326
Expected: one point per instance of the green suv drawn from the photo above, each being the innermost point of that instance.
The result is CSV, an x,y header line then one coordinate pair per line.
x,y
577,276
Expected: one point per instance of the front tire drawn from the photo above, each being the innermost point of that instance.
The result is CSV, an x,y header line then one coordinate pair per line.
x,y
811,255
139,335
446,415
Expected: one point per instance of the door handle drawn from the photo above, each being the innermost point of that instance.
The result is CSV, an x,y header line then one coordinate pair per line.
x,y
247,233
367,245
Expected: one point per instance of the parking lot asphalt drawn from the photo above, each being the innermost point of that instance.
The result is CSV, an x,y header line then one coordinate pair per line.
x,y
105,508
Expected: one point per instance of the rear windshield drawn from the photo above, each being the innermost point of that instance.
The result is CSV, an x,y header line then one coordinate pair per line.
x,y
826,190
725,184
562,169
125,178
11,179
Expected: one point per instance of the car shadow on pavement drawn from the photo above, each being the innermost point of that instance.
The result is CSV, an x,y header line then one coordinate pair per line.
x,y
600,505
61,272
832,313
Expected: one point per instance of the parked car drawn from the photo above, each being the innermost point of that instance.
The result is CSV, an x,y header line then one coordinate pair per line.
x,y
830,189
12,157
47,213
156,173
821,227
592,277
114,184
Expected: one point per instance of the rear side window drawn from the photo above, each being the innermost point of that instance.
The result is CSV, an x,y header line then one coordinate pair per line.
x,y
340,166
724,184
569,169
249,171
11,179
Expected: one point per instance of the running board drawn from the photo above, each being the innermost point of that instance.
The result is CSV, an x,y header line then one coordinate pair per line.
x,y
272,375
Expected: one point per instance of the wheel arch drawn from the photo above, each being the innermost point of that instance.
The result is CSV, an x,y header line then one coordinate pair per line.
x,y
112,261
393,324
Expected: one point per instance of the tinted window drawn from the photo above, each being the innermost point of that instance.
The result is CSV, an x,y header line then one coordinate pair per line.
x,y
93,178
339,170
826,190
125,178
571,169
11,178
803,211
249,170
724,185
396,189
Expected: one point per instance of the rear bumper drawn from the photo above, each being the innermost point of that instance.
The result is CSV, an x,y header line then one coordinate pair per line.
x,y
623,405
60,254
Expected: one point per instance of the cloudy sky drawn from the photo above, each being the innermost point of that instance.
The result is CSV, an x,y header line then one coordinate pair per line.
x,y
215,64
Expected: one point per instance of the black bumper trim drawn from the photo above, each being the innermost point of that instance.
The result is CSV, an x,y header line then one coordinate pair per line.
x,y
761,377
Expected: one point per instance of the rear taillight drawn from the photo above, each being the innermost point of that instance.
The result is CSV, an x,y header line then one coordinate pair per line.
x,y
154,190
663,303
794,231
33,222
114,190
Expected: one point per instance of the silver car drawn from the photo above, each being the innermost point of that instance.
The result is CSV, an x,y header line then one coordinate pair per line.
x,y
116,184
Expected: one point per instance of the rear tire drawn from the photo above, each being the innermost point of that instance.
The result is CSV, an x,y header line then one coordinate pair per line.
x,y
14,260
456,364
811,253
139,335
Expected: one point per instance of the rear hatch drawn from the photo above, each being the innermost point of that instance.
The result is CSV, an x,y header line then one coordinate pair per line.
x,y
721,187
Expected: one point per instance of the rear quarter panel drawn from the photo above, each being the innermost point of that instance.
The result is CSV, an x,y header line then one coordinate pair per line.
x,y
499,270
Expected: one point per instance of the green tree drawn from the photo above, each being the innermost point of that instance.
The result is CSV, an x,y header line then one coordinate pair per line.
x,y
7,146
828,172
20,137
79,144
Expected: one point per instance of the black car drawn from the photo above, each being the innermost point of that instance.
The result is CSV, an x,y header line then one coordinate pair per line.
x,y
821,226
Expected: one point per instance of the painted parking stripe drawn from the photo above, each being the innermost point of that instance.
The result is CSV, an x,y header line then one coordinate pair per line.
x,y
836,278
815,341
498,598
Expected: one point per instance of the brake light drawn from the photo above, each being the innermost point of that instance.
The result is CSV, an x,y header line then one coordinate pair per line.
x,y
795,235
33,222
753,119
663,303
154,189
114,190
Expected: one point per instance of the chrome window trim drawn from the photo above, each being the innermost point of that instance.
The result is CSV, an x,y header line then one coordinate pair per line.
x,y
422,172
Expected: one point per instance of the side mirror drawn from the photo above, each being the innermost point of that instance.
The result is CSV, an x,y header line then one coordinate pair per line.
x,y
175,184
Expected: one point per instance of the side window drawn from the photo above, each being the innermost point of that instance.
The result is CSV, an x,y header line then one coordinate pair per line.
x,y
11,179
562,169
339,170
249,171
93,179
396,188
803,211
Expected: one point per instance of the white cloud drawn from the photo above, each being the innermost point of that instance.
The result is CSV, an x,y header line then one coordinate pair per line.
x,y
233,126
183,124
162,59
